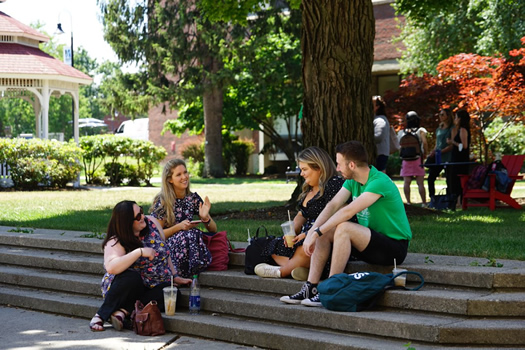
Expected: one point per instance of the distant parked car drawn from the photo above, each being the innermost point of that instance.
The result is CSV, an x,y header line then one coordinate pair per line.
x,y
135,129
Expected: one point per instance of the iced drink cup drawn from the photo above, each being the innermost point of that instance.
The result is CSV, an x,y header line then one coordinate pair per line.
x,y
401,280
289,233
170,300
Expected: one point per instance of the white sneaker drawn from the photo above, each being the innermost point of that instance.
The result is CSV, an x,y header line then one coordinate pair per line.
x,y
315,301
265,270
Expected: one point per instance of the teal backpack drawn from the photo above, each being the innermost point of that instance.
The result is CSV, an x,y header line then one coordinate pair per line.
x,y
358,291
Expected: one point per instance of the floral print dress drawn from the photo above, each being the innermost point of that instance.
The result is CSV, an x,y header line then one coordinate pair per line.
x,y
153,272
188,251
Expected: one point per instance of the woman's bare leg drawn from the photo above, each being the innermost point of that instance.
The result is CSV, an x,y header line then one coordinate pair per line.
x,y
299,259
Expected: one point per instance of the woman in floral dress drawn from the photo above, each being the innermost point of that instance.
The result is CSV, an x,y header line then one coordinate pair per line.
x,y
175,207
137,262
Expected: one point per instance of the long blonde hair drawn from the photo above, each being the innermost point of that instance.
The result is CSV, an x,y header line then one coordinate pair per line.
x,y
317,159
167,194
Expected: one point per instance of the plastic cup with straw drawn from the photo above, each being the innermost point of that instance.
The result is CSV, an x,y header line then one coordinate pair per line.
x,y
401,280
170,299
289,233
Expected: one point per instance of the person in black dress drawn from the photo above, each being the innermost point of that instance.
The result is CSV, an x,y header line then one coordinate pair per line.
x,y
321,184
460,141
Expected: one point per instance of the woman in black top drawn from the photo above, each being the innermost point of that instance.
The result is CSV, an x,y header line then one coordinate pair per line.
x,y
321,184
460,142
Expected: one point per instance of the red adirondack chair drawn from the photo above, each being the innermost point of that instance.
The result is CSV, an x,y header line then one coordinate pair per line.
x,y
488,198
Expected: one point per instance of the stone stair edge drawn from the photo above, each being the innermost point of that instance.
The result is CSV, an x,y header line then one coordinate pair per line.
x,y
85,307
426,300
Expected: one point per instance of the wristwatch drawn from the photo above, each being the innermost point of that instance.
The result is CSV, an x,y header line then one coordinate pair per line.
x,y
318,230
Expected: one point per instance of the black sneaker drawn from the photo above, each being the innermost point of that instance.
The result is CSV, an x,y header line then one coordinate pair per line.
x,y
307,291
315,301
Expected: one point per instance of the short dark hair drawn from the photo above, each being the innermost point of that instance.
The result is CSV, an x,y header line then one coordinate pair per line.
x,y
381,105
412,120
353,151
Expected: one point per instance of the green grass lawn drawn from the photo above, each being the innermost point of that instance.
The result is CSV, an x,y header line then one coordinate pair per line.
x,y
477,232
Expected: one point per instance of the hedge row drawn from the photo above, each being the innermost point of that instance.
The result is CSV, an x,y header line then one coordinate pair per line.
x,y
106,157
38,162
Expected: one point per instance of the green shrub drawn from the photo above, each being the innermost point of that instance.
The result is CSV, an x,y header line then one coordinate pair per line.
x,y
194,168
194,151
28,173
393,166
241,151
112,149
40,162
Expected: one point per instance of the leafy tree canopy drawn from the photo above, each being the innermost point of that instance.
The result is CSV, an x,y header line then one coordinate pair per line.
x,y
435,30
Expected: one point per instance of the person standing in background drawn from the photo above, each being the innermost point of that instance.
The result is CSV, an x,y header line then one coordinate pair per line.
x,y
413,168
381,133
460,142
443,133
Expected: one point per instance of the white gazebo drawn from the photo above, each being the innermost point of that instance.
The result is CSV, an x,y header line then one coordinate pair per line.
x,y
29,73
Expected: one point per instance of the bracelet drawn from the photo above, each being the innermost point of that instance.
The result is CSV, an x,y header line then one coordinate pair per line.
x,y
206,222
140,251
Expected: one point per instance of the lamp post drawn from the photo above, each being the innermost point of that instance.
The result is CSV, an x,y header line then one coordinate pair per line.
x,y
61,31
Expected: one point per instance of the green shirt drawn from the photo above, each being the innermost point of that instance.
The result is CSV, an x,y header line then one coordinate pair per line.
x,y
387,215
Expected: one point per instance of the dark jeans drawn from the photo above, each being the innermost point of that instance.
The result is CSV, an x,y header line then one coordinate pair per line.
x,y
433,173
126,288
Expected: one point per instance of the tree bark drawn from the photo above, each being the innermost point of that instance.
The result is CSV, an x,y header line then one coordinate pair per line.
x,y
338,53
212,101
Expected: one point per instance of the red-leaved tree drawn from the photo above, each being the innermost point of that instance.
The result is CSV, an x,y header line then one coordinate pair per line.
x,y
487,87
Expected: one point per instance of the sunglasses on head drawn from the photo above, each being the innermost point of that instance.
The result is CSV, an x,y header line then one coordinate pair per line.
x,y
139,215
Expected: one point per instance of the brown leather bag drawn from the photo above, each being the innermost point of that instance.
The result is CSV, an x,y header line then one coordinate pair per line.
x,y
147,320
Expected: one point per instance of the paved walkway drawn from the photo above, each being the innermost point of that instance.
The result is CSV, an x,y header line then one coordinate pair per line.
x,y
29,330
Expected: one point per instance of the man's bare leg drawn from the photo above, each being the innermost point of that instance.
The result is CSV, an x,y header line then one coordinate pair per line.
x,y
347,235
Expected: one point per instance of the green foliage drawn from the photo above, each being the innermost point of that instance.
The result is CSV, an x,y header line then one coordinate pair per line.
x,y
111,149
506,139
194,151
194,167
241,151
435,30
37,161
490,263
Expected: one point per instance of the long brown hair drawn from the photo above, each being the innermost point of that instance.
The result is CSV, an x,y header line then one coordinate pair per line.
x,y
120,226
317,159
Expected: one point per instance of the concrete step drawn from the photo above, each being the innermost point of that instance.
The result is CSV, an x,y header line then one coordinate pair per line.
x,y
324,329
461,304
46,279
51,259
51,239
428,299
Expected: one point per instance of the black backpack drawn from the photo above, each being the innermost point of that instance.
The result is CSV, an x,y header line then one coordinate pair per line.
x,y
410,146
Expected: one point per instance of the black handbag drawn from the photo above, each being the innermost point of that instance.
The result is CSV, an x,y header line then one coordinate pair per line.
x,y
253,254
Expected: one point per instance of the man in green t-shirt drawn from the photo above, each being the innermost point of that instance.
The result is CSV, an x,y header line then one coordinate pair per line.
x,y
381,235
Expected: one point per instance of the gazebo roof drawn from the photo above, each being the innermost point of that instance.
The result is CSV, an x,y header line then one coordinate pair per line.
x,y
10,26
17,60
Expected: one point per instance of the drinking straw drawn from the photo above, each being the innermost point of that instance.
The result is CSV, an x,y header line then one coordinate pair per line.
x,y
249,238
289,218
171,296
395,264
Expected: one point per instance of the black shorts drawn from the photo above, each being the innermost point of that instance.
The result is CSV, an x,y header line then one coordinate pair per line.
x,y
382,250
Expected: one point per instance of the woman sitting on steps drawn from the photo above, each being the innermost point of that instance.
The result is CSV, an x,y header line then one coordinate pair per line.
x,y
137,263
321,184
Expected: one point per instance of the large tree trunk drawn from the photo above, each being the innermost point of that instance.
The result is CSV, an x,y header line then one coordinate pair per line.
x,y
338,52
212,101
